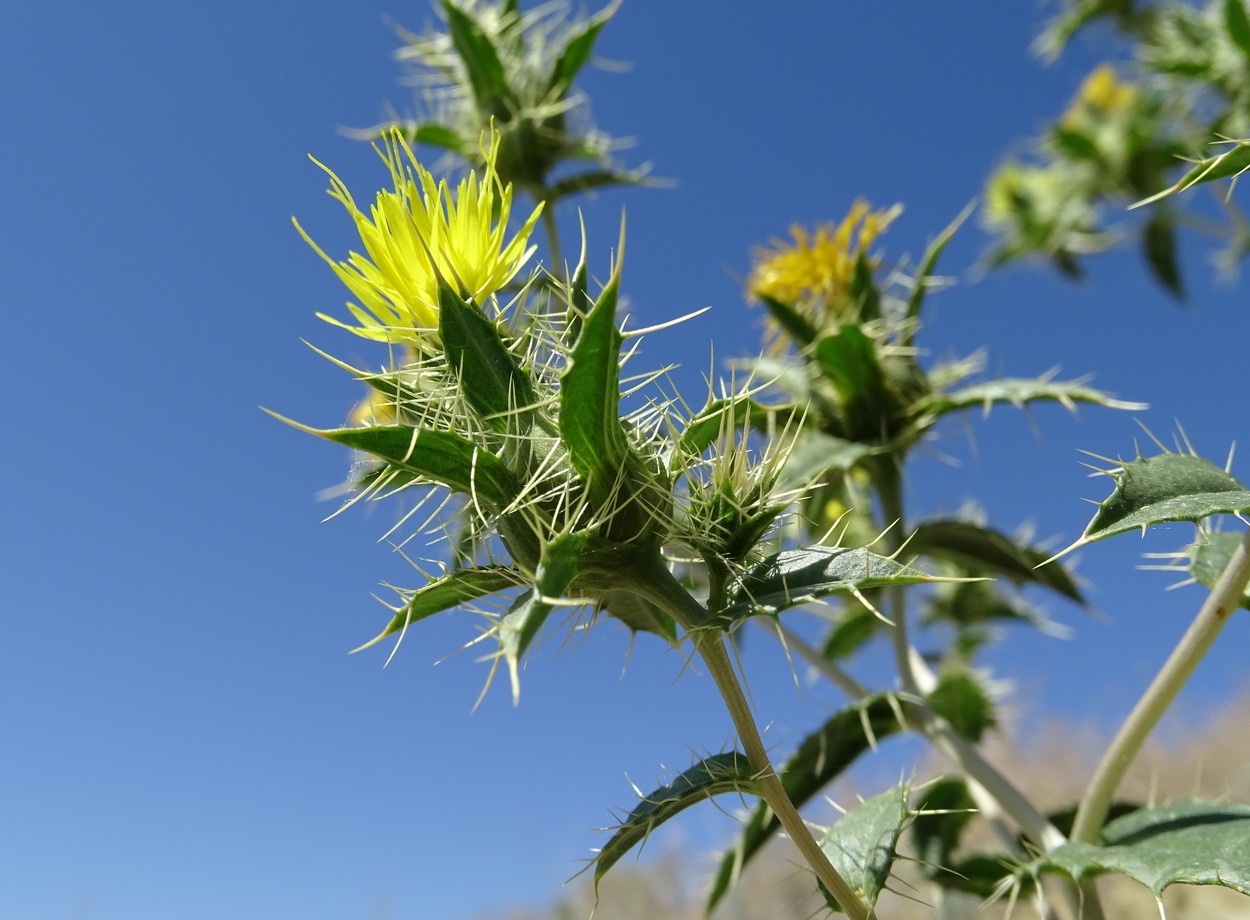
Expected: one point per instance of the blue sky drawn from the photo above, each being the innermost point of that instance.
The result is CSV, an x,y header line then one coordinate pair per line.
x,y
183,733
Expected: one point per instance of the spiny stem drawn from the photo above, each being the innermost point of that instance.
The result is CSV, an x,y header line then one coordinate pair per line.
x,y
1224,598
665,591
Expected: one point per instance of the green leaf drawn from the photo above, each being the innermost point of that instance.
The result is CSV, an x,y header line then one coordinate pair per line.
x,y
434,456
861,844
1209,557
797,576
1168,487
864,293
492,383
960,699
820,759
1020,392
1193,842
816,455
1159,246
1076,145
795,324
517,629
856,624
576,52
979,875
942,810
717,417
584,182
916,299
1237,22
715,775
447,592
848,358
988,551
481,62
639,614
1229,164
436,135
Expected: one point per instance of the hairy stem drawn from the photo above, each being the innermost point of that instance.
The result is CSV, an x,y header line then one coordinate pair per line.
x,y
1225,598
665,591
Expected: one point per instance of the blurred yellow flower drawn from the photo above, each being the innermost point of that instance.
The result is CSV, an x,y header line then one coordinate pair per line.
x,y
422,231
1101,93
820,264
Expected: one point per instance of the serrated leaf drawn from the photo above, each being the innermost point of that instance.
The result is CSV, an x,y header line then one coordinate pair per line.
x,y
797,576
1020,392
820,759
434,456
1162,489
989,551
861,844
1229,164
716,775
481,62
492,383
1193,842
960,699
1159,247
1209,557
447,592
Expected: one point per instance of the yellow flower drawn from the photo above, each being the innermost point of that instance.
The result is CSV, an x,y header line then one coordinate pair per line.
x,y
1100,93
818,265
422,231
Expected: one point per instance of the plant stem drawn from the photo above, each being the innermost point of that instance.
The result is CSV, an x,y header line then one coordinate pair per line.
x,y
1224,598
888,480
665,591
553,239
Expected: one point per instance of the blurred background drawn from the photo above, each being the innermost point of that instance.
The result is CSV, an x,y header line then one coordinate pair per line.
x,y
182,732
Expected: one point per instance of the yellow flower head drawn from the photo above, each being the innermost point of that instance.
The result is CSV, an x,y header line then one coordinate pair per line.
x,y
421,232
1102,94
818,265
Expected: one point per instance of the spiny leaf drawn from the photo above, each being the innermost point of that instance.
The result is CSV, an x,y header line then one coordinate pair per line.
x,y
517,630
989,551
451,590
435,456
715,775
576,52
821,758
817,454
481,62
1209,557
1229,164
797,576
943,809
496,388
639,614
1020,392
1193,842
719,415
1168,487
860,845
916,300
1159,246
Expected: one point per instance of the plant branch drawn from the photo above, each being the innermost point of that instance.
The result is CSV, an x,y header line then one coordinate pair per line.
x,y
1224,598
664,590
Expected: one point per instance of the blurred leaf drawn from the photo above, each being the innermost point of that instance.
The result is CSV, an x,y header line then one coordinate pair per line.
x,y
576,52
797,326
864,293
1168,487
447,592
584,182
1020,392
820,759
1193,842
481,62
715,775
988,551
860,845
942,810
1229,164
435,135
1208,558
960,699
797,576
848,358
1076,145
492,383
435,456
1238,24
1159,246
856,624
816,454
916,299
978,875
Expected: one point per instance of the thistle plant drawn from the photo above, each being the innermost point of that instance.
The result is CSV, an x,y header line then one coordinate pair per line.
x,y
501,427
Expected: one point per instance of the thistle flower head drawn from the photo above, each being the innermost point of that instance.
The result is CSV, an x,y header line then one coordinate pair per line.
x,y
816,269
1101,93
419,232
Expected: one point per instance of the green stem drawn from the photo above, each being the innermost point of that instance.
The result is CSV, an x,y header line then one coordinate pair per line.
x,y
1225,598
888,480
553,238
660,587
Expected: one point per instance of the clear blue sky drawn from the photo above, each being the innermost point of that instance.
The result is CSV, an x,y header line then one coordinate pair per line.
x,y
182,733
